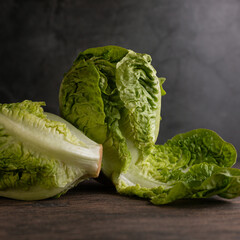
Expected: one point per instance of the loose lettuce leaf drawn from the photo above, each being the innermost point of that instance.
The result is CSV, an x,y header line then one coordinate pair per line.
x,y
42,155
114,96
191,165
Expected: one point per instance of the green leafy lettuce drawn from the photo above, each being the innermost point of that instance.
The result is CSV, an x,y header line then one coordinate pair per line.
x,y
114,96
41,154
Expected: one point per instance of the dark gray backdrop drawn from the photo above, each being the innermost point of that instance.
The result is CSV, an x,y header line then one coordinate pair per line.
x,y
195,44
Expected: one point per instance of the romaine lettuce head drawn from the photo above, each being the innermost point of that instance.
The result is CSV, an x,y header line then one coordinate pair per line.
x,y
114,96
41,154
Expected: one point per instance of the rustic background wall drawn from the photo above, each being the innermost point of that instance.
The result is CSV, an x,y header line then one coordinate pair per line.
x,y
194,44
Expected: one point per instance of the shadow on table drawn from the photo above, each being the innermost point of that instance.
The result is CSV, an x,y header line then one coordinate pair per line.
x,y
199,203
95,187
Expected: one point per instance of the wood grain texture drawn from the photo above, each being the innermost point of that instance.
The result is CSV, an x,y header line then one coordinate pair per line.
x,y
95,211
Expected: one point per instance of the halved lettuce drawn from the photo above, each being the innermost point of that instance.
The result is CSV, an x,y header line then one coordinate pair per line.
x,y
41,154
114,96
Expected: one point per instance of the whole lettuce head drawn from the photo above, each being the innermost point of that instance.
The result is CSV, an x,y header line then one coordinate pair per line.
x,y
114,96
41,154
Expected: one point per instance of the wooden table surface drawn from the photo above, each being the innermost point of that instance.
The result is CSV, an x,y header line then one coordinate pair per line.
x,y
94,211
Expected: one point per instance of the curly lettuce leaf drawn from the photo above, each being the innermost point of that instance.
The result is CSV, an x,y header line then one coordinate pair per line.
x,y
42,155
190,165
88,85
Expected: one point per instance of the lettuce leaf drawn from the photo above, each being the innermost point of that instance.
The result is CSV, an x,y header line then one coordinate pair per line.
x,y
114,96
42,155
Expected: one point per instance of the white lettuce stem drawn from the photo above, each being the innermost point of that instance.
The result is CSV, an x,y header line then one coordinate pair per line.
x,y
53,145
